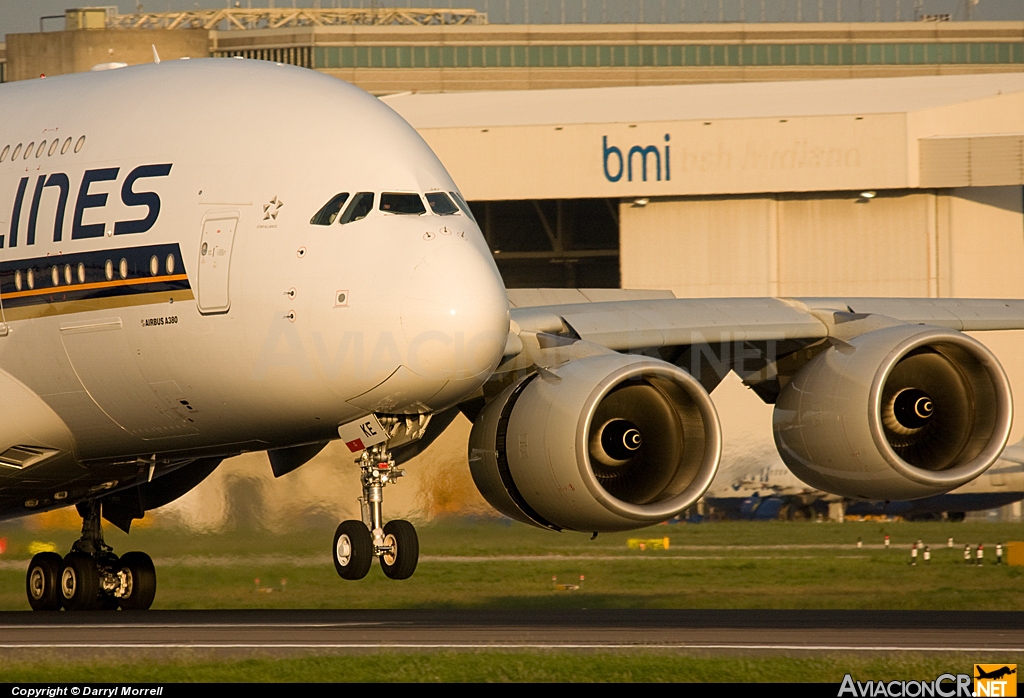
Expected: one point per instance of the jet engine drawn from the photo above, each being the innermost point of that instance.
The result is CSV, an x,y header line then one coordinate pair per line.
x,y
604,443
903,412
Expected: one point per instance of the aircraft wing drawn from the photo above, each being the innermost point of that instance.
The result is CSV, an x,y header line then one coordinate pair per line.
x,y
875,398
1014,453
628,320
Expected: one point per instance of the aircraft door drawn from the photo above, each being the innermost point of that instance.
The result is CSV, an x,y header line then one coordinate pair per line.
x,y
215,262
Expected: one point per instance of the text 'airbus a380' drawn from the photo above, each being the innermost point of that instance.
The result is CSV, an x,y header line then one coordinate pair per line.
x,y
204,258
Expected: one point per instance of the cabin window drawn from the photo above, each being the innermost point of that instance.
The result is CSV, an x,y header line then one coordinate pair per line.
x,y
154,266
169,264
64,148
67,273
28,149
403,204
31,278
362,204
108,270
17,280
122,268
42,148
53,146
463,205
329,213
17,149
81,273
80,143
440,204
55,276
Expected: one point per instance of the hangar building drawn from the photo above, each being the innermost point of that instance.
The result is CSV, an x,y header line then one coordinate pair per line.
x,y
895,186
384,49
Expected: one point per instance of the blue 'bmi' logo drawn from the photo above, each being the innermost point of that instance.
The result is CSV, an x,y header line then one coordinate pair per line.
x,y
614,155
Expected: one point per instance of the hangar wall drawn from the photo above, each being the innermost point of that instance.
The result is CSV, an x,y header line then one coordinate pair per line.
x,y
758,189
984,227
964,242
703,156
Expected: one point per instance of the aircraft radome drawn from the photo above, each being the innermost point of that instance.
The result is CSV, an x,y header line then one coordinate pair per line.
x,y
203,258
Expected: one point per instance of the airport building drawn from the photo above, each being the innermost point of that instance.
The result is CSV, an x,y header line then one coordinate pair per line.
x,y
392,50
892,187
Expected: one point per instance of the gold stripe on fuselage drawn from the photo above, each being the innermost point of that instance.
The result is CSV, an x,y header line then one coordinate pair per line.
x,y
89,304
94,286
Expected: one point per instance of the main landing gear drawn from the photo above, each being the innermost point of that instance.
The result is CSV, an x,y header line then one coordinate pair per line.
x,y
90,577
395,543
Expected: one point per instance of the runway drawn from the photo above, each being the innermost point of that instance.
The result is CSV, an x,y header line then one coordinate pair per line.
x,y
288,632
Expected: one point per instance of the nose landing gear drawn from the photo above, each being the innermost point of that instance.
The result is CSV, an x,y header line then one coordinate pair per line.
x,y
91,576
395,543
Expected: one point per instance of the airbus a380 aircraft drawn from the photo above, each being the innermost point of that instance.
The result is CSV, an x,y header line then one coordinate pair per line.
x,y
203,258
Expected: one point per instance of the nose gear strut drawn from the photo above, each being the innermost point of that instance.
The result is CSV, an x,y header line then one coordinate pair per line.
x,y
394,543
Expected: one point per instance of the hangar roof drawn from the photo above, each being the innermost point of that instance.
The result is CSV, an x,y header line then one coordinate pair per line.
x,y
695,102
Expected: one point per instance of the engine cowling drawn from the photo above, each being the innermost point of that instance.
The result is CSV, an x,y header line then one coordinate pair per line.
x,y
604,443
904,412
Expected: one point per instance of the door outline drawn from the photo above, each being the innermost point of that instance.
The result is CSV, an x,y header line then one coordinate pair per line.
x,y
213,276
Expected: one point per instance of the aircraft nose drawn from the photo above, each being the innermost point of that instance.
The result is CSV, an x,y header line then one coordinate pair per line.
x,y
455,316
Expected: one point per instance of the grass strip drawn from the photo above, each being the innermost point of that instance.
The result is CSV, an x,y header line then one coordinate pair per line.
x,y
487,666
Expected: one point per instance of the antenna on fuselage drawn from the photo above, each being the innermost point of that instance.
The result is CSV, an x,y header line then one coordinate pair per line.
x,y
156,56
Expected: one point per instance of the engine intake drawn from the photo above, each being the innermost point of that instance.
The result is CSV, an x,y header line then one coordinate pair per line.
x,y
904,412
605,443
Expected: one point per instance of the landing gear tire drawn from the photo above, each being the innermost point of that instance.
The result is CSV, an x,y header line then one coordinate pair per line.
x,y
42,583
139,581
353,550
400,561
80,583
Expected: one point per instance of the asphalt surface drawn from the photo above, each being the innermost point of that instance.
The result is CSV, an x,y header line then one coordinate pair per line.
x,y
284,632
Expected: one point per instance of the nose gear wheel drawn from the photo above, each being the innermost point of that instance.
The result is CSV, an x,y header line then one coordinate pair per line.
x,y
353,550
403,549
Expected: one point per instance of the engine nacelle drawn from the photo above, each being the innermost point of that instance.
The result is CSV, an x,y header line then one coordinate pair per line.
x,y
903,412
604,443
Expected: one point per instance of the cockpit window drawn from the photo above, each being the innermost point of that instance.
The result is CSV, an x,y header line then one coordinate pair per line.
x,y
463,205
406,204
362,204
440,204
329,212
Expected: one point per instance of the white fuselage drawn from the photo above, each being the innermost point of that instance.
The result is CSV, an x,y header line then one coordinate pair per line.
x,y
234,323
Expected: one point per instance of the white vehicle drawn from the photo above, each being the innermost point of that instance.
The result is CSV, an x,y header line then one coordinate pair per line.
x,y
204,258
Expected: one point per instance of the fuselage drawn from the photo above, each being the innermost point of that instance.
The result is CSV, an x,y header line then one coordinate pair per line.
x,y
167,294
